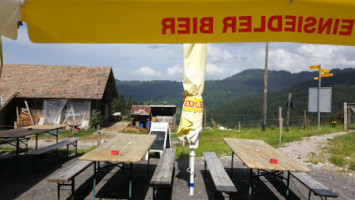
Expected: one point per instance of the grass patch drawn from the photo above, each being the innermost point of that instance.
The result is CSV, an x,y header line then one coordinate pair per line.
x,y
212,140
342,151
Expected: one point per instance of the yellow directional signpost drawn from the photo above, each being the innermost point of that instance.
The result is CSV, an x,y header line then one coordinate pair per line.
x,y
322,73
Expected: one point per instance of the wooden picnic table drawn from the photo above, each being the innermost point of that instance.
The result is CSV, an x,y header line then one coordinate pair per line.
x,y
21,133
131,149
256,154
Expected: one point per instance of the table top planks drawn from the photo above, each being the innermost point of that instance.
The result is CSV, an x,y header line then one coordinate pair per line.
x,y
46,127
131,147
20,132
256,154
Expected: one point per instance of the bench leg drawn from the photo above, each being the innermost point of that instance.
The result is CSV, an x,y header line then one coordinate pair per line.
x,y
67,150
154,195
309,194
172,183
148,162
215,193
72,188
205,170
58,192
232,165
250,182
94,181
130,180
76,147
288,184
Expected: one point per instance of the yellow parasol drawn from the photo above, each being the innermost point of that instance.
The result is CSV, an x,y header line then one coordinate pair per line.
x,y
192,111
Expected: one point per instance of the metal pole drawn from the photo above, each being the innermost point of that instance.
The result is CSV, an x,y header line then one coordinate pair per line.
x,y
238,126
318,96
192,170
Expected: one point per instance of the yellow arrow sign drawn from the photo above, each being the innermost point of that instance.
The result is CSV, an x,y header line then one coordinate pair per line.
x,y
314,67
323,75
325,71
327,75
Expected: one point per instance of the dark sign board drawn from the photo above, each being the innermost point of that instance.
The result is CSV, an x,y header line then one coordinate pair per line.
x,y
161,140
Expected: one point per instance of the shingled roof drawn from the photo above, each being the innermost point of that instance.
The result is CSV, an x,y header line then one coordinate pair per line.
x,y
63,82
140,110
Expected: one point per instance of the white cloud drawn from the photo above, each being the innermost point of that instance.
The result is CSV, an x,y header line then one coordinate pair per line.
x,y
218,55
281,59
175,70
212,69
147,71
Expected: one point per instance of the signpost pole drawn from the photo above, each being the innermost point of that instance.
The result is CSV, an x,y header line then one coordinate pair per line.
x,y
319,86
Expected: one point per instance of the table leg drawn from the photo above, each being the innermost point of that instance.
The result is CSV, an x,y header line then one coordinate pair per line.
x,y
36,141
56,136
232,165
250,182
94,181
17,154
288,184
130,180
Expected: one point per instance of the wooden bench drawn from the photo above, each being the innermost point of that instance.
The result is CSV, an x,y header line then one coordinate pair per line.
x,y
219,175
314,186
163,177
71,141
67,174
23,140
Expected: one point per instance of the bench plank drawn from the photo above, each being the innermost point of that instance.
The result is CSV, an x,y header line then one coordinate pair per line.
x,y
163,173
317,188
53,146
70,172
219,175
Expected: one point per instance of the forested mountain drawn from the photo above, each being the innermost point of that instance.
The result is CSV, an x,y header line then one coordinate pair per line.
x,y
218,92
240,97
250,109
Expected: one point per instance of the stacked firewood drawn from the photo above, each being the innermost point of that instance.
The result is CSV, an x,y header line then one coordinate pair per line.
x,y
25,120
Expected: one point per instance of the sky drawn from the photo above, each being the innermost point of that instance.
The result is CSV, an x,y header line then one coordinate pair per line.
x,y
164,61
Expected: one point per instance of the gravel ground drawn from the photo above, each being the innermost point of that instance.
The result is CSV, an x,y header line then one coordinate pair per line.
x,y
112,184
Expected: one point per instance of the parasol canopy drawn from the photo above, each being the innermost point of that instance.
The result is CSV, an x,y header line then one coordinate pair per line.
x,y
181,21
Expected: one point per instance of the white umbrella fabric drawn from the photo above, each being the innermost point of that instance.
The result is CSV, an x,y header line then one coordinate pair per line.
x,y
190,126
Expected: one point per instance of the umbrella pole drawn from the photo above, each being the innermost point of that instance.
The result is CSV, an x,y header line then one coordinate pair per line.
x,y
192,170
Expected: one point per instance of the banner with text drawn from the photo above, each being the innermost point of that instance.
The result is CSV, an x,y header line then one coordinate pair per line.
x,y
182,21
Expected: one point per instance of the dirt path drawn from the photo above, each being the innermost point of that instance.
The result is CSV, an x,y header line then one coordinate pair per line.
x,y
311,147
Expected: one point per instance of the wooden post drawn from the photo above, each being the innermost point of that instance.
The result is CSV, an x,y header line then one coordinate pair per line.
x,y
280,123
239,126
304,119
288,111
349,116
17,117
345,116
29,112
265,86
205,119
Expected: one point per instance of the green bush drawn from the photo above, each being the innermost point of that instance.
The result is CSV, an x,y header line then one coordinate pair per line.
x,y
95,119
